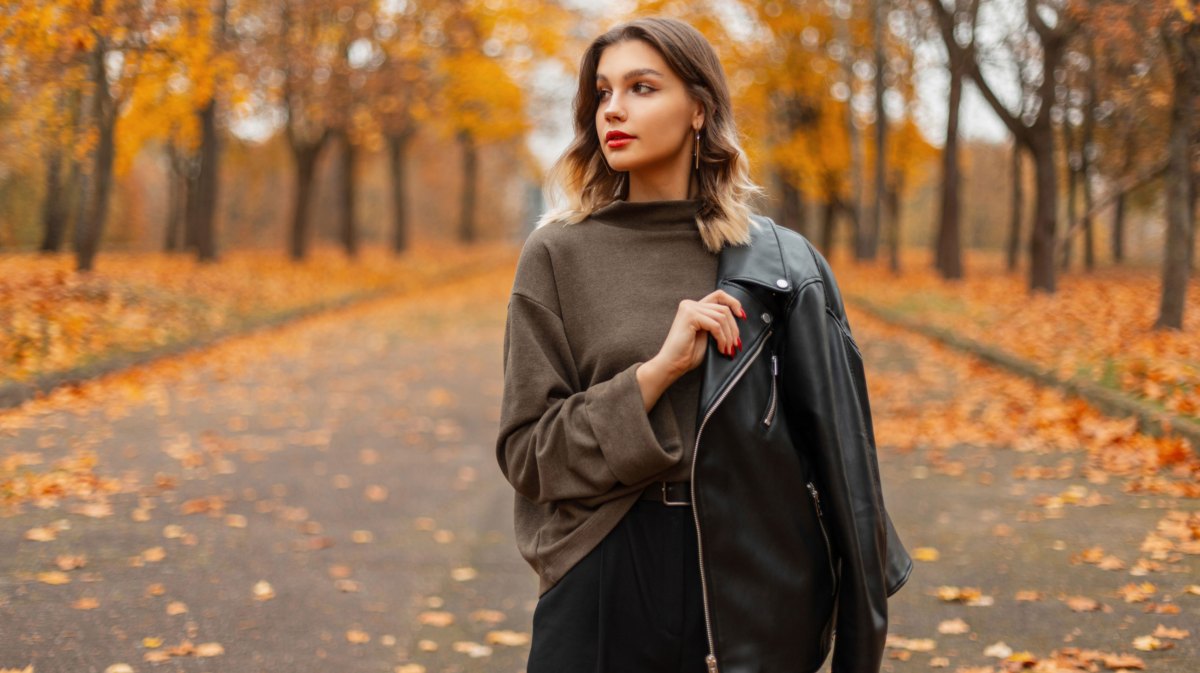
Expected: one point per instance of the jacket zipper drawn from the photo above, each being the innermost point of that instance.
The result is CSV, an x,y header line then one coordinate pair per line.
x,y
711,658
774,376
812,489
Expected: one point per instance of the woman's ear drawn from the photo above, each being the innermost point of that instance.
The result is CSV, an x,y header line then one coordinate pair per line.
x,y
698,117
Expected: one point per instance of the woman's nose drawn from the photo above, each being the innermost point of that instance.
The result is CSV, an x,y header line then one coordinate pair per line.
x,y
612,110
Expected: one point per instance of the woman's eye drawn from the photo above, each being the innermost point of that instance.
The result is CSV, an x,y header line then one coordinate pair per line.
x,y
647,88
600,94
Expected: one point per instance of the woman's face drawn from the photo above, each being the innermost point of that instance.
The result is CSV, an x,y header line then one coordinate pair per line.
x,y
639,95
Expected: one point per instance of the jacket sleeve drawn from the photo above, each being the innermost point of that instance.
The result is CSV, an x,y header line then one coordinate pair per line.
x,y
557,441
825,382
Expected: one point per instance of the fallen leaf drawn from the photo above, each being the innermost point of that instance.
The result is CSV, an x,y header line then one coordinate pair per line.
x,y
925,554
473,650
953,626
463,574
512,638
40,534
54,577
356,636
69,562
1150,643
436,618
999,650
209,650
86,603
489,616
1176,634
1116,661
1082,603
263,591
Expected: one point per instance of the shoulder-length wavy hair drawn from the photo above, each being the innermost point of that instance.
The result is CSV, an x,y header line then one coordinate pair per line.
x,y
581,176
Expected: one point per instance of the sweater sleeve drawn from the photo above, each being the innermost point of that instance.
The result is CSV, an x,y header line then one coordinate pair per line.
x,y
556,441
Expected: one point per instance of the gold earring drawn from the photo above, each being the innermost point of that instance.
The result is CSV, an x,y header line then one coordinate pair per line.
x,y
696,150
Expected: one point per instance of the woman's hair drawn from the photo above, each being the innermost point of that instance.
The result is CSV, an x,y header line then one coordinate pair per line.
x,y
582,176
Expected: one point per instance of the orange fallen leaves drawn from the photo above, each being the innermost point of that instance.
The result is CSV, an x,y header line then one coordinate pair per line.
x,y
1096,325
53,319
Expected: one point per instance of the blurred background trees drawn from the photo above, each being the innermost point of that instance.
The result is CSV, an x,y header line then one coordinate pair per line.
x,y
192,126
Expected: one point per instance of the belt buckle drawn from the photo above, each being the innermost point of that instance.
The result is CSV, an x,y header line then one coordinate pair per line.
x,y
671,502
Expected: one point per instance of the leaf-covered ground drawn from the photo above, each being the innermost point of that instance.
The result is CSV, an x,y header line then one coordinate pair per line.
x,y
1097,325
53,319
324,496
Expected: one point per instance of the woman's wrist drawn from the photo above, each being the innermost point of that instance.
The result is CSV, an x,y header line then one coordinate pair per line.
x,y
653,378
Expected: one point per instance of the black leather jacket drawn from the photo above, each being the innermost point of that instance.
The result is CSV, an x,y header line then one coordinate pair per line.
x,y
795,541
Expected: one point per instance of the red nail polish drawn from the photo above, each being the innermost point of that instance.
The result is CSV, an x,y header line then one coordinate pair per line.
x,y
739,342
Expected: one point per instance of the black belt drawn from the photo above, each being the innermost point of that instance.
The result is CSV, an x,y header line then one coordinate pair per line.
x,y
669,492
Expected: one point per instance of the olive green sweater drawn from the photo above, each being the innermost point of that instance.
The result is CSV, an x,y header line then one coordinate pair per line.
x,y
590,303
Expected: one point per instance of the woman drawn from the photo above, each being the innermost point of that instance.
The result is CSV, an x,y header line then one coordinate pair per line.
x,y
695,474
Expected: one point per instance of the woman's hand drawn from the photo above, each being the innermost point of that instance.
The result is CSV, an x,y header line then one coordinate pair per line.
x,y
686,342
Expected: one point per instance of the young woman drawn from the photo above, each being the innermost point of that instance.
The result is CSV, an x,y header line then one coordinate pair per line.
x,y
684,417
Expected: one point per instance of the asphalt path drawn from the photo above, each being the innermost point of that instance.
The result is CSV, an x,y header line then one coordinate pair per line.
x,y
324,497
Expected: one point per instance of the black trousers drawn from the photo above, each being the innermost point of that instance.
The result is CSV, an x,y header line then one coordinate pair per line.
x,y
632,605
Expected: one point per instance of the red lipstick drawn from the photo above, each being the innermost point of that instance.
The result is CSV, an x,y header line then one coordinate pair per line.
x,y
618,138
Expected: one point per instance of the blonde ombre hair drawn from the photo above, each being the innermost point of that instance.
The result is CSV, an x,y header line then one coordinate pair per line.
x,y
582,178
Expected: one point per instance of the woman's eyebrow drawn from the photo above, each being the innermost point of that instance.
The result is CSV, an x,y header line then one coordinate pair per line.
x,y
632,73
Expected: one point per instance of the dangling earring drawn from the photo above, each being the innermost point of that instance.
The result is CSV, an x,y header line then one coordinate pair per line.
x,y
696,150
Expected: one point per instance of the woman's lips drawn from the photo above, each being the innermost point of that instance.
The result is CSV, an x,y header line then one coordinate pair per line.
x,y
617,138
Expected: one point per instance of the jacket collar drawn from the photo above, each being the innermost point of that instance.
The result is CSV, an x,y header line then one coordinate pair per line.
x,y
759,262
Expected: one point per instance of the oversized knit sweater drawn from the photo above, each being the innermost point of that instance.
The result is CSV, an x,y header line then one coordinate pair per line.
x,y
590,303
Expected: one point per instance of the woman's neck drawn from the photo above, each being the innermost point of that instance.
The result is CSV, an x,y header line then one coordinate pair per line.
x,y
669,185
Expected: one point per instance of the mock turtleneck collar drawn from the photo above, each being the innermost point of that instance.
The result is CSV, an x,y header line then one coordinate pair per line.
x,y
670,213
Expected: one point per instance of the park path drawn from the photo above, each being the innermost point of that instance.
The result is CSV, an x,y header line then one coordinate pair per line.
x,y
324,497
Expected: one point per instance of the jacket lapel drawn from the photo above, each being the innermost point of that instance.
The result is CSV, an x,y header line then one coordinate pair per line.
x,y
756,275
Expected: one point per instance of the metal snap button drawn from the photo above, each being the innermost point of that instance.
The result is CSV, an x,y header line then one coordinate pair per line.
x,y
781,282
766,317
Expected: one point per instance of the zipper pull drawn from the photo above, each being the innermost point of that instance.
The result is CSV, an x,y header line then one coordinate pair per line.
x,y
816,498
774,365
712,663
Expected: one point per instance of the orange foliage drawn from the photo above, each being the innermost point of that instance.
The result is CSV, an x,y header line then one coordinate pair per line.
x,y
52,319
1098,327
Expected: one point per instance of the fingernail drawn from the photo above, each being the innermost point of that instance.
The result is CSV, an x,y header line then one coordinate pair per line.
x,y
743,312
739,342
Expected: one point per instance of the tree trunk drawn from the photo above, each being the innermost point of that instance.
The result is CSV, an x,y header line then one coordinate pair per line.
x,y
948,247
893,223
54,215
1069,150
791,201
1041,242
1118,230
1085,163
853,202
1018,205
879,18
828,225
398,158
202,192
1176,257
103,114
177,202
470,171
349,232
306,155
